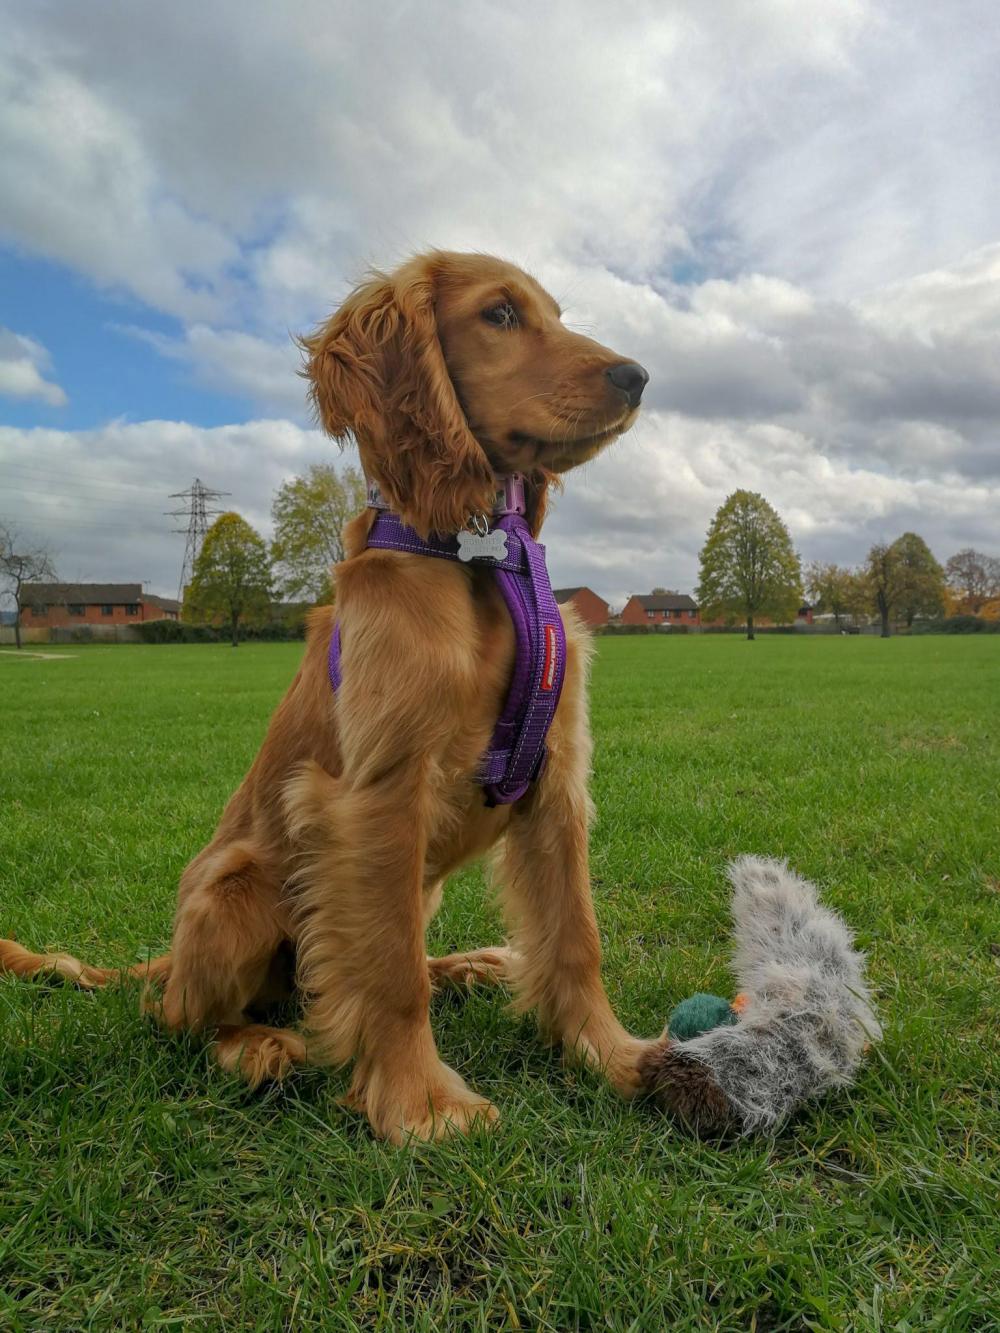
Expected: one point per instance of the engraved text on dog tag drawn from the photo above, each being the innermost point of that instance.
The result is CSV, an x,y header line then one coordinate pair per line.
x,y
492,546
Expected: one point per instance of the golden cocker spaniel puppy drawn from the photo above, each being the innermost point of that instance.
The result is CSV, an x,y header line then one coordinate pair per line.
x,y
448,373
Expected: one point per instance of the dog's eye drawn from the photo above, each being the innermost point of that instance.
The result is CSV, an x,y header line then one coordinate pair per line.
x,y
502,314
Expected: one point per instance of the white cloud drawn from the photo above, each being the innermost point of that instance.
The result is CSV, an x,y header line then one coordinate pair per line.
x,y
634,518
23,362
100,497
787,210
235,362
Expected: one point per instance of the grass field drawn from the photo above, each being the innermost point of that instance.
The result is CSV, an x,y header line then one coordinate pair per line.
x,y
140,1187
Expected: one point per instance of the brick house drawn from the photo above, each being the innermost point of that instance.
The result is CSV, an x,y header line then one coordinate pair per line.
x,y
47,605
591,609
660,608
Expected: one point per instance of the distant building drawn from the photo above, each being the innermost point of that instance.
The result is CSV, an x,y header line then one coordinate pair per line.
x,y
591,609
660,608
47,605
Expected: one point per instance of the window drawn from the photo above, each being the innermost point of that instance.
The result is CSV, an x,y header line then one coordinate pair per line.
x,y
131,608
39,610
76,609
650,615
107,610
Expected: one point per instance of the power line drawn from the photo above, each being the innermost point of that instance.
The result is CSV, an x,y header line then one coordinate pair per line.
x,y
88,501
85,483
199,496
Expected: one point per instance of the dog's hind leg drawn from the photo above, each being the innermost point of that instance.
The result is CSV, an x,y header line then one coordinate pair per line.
x,y
227,934
21,962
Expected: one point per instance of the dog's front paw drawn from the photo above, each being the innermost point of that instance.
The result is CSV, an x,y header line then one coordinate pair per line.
x,y
406,1109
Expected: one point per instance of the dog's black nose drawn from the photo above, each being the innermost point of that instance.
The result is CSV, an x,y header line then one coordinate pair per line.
x,y
631,378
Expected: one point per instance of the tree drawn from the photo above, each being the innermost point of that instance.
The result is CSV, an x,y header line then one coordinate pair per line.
x,y
232,575
21,563
748,564
309,515
903,578
974,577
885,582
856,598
922,593
835,590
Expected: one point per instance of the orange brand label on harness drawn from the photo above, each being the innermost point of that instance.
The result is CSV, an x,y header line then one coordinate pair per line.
x,y
549,668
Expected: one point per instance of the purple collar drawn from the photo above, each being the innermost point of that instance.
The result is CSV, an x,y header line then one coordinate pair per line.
x,y
517,750
509,499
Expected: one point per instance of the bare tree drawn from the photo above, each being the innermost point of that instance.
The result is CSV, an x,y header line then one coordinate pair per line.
x,y
975,577
21,563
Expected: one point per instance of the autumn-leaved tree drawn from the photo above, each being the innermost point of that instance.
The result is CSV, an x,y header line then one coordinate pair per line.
x,y
975,578
309,515
21,562
836,590
923,578
749,568
232,576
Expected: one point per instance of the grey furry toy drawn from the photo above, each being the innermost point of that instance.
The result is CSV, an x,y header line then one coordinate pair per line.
x,y
803,1019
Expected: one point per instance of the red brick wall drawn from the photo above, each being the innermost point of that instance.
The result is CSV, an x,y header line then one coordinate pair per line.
x,y
59,615
591,609
92,615
635,614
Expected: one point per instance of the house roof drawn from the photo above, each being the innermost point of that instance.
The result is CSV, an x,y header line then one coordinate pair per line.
x,y
86,594
567,594
164,603
665,601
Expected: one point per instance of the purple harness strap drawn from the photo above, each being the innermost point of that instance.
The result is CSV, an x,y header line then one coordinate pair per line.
x,y
517,749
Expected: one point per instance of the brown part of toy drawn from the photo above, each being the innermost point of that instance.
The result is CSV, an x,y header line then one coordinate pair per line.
x,y
685,1088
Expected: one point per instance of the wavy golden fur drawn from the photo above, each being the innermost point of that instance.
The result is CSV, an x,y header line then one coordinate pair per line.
x,y
334,850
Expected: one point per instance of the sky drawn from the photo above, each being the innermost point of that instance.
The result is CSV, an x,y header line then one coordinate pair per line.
x,y
788,211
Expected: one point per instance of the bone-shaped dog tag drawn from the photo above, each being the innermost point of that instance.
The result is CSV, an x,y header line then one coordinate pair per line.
x,y
492,546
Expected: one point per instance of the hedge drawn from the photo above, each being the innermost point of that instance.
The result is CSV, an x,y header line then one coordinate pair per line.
x,y
178,631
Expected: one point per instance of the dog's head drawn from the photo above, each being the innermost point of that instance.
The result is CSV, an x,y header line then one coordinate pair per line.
x,y
456,368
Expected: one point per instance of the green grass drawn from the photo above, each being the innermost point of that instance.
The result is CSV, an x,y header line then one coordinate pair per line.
x,y
140,1187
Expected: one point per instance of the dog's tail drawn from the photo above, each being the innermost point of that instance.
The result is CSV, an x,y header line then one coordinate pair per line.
x,y
17,961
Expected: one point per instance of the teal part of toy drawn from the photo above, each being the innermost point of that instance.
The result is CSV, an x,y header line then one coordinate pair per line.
x,y
699,1013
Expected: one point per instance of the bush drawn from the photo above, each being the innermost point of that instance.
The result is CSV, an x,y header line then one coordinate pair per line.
x,y
275,631
968,625
963,624
175,631
179,631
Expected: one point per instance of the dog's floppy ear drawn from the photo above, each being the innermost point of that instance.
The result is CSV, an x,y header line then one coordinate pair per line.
x,y
377,372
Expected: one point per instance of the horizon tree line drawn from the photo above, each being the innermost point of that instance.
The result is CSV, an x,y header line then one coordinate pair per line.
x,y
749,568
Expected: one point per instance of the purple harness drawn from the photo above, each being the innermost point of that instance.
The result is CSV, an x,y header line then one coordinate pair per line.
x,y
517,749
